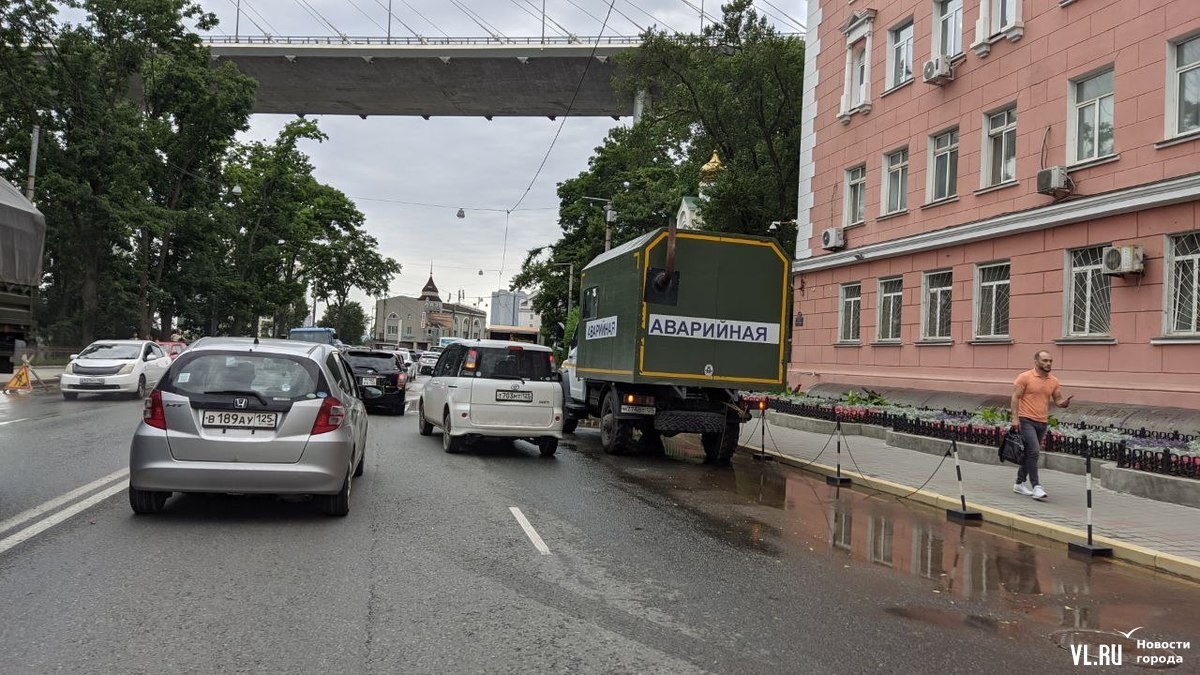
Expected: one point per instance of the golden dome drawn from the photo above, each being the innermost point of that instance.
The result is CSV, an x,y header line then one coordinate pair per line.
x,y
709,170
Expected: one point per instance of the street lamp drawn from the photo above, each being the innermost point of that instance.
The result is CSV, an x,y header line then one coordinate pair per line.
x,y
610,216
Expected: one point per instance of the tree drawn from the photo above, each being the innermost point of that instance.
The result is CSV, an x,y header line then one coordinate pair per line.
x,y
348,319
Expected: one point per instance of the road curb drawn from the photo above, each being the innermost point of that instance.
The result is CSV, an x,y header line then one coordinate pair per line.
x,y
1132,553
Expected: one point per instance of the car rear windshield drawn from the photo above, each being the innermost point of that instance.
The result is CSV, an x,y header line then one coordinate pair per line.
x,y
512,364
380,363
111,351
271,376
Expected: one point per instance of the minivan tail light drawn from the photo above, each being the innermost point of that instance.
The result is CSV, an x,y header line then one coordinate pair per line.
x,y
330,416
152,411
472,359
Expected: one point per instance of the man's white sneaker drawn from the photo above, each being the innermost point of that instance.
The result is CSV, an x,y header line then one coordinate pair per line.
x,y
1022,489
1038,492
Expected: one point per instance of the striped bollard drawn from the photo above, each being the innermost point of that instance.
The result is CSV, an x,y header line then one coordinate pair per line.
x,y
1088,550
838,479
961,515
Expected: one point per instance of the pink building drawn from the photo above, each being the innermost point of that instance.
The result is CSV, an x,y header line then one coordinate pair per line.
x,y
981,179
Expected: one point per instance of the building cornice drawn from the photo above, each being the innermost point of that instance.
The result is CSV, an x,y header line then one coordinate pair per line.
x,y
1140,198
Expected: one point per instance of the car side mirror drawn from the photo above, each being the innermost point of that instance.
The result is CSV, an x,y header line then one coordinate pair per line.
x,y
426,370
74,356
148,357
370,393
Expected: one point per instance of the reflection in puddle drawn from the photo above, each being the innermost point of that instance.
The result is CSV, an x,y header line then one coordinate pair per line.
x,y
1007,578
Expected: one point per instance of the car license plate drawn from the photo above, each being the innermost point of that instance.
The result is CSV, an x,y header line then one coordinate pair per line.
x,y
230,419
520,396
370,381
637,409
91,380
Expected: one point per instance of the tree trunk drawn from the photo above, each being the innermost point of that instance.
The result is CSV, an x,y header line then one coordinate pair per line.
x,y
88,296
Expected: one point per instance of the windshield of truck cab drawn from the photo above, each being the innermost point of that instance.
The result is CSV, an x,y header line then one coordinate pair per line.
x,y
512,363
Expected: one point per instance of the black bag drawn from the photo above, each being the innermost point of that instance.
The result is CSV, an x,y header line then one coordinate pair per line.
x,y
1012,448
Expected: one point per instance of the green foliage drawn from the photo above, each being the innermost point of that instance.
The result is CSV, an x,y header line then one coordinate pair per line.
x,y
348,319
570,326
994,416
867,398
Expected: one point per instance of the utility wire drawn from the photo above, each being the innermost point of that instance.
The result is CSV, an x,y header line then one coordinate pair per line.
x,y
418,13
702,13
626,16
798,23
570,106
259,14
478,21
652,17
369,17
537,16
260,28
398,19
321,16
451,206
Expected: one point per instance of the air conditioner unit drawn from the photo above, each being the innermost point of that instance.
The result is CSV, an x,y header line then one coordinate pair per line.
x,y
1120,260
1053,181
833,239
938,71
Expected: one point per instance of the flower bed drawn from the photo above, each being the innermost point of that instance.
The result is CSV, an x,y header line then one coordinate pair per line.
x,y
1159,452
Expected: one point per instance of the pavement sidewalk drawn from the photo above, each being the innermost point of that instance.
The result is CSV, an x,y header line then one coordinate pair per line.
x,y
1145,531
48,375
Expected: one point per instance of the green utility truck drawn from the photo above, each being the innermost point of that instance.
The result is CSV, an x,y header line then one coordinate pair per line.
x,y
672,325
22,238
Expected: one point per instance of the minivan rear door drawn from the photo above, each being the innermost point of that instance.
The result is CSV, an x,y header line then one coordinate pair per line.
x,y
241,406
512,387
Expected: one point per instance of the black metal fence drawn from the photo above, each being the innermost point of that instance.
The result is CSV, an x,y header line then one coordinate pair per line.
x,y
1163,460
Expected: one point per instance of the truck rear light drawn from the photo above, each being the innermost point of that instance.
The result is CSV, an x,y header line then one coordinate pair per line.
x,y
638,399
152,411
329,417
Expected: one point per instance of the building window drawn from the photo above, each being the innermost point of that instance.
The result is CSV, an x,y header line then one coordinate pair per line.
x,y
947,31
1092,118
1005,13
856,195
843,529
895,184
849,321
936,324
856,88
944,159
858,76
891,300
929,545
900,52
992,300
882,532
1088,293
1183,87
392,329
1000,149
1185,283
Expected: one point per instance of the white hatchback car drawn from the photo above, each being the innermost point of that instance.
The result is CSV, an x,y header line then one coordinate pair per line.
x,y
496,389
115,366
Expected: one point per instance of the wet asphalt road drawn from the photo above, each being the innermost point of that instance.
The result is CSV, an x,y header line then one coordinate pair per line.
x,y
655,565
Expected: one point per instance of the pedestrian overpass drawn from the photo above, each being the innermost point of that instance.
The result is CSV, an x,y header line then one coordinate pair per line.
x,y
446,77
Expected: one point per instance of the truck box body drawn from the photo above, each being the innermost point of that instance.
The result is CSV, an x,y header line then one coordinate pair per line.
x,y
22,238
722,322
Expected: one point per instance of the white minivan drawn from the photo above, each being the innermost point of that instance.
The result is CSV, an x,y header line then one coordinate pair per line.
x,y
496,389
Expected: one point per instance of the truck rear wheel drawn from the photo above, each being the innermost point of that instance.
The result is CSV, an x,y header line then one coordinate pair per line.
x,y
614,434
719,448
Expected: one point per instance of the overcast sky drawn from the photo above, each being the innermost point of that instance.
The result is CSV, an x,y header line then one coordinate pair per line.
x,y
457,161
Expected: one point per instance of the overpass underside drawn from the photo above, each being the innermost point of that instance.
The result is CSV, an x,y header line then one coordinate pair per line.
x,y
458,81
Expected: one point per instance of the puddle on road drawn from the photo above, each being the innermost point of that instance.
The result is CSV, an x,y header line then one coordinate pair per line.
x,y
1010,581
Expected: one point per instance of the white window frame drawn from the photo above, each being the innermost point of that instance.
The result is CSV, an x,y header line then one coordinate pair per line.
x,y
1172,261
993,287
882,320
901,169
939,16
1073,106
856,88
1006,132
897,45
931,174
1174,75
1072,270
881,538
995,23
926,291
846,306
853,185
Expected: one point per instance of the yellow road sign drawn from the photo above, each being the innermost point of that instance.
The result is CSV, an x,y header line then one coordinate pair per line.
x,y
20,381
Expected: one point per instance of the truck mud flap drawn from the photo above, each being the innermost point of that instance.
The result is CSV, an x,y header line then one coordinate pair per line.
x,y
689,421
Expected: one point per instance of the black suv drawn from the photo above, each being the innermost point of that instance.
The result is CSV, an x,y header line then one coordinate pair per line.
x,y
377,368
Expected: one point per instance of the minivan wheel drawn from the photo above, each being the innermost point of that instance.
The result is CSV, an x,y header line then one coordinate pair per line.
x,y
450,444
547,446
424,428
141,388
147,501
339,504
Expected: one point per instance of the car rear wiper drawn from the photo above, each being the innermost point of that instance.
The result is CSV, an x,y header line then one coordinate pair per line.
x,y
255,394
508,377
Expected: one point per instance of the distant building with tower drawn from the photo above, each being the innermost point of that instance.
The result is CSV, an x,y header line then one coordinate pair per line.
x,y
420,322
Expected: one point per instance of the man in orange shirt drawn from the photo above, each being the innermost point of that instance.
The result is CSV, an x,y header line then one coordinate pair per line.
x,y
1032,392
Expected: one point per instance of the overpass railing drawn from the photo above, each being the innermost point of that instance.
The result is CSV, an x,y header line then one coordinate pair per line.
x,y
615,40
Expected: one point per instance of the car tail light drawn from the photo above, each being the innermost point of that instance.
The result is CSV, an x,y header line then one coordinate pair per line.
x,y
330,416
472,359
400,378
152,412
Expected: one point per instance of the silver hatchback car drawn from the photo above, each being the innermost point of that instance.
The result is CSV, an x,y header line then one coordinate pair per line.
x,y
236,415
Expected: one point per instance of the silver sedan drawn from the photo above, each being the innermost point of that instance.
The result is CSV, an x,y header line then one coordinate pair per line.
x,y
235,415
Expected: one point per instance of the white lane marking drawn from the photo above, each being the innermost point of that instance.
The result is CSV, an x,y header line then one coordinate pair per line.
x,y
13,421
59,501
529,531
47,523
